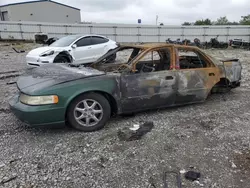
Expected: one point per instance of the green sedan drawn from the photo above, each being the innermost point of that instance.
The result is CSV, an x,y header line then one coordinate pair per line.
x,y
126,79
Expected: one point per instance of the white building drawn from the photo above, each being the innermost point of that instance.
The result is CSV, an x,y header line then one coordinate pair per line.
x,y
40,11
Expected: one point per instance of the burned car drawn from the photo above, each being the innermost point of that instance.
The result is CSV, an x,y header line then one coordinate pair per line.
x,y
142,77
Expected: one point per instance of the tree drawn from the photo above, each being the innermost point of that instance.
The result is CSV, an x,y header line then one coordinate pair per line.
x,y
222,21
186,23
245,20
233,23
203,22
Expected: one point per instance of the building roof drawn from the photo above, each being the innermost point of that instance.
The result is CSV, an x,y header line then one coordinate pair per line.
x,y
37,1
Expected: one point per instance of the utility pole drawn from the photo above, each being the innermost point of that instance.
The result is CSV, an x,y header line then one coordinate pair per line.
x,y
157,19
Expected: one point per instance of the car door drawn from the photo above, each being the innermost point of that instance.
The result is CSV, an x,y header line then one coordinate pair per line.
x,y
100,45
146,89
196,75
83,52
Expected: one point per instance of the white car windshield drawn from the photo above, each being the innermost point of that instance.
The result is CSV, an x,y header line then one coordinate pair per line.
x,y
65,41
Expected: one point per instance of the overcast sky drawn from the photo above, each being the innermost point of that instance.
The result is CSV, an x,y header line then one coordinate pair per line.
x,y
170,12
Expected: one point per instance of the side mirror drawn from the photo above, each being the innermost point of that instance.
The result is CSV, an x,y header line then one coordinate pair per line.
x,y
74,46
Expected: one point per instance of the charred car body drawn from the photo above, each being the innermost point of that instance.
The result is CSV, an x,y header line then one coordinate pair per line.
x,y
214,43
239,43
142,77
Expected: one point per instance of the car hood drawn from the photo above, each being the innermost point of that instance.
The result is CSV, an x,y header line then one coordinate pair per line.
x,y
40,50
52,74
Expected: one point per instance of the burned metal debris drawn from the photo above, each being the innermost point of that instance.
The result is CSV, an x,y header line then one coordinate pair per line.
x,y
17,51
8,180
9,74
177,176
136,132
191,175
213,43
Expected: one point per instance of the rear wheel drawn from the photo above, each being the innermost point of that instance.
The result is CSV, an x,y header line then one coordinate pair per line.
x,y
89,112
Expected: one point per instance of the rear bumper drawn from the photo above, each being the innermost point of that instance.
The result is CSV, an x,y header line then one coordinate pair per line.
x,y
37,115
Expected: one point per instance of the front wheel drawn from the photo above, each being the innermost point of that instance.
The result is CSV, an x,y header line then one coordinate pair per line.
x,y
89,112
61,59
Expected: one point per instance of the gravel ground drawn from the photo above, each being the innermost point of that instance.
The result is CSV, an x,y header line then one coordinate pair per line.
x,y
212,138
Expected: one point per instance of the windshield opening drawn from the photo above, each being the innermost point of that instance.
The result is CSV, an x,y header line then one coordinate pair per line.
x,y
120,55
117,60
65,41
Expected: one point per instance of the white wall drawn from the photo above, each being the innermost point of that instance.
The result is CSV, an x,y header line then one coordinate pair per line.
x,y
43,12
124,32
3,9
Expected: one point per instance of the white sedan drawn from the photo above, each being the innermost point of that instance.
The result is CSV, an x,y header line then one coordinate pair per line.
x,y
75,49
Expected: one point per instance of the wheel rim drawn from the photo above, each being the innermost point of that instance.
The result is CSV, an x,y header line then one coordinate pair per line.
x,y
88,112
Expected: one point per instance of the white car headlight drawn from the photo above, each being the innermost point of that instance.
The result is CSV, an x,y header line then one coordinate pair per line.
x,y
38,100
47,53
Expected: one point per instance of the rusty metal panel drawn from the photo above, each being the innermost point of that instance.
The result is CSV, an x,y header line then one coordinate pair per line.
x,y
148,90
171,31
195,84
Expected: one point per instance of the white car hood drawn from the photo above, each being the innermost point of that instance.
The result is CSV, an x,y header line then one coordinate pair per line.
x,y
38,51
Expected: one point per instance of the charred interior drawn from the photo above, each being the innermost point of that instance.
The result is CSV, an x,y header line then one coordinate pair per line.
x,y
152,61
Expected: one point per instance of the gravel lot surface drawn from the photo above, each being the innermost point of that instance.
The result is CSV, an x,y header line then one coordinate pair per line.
x,y
212,138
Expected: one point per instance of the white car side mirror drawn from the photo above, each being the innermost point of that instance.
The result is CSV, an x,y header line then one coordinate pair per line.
x,y
74,46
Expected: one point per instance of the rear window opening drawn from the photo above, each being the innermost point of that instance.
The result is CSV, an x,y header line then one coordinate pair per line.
x,y
189,59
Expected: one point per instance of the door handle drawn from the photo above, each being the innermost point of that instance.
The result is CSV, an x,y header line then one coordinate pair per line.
x,y
169,77
211,74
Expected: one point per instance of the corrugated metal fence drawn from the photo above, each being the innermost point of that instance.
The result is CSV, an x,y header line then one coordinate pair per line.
x,y
123,32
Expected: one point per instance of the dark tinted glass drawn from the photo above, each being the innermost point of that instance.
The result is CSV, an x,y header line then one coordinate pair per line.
x,y
86,41
98,40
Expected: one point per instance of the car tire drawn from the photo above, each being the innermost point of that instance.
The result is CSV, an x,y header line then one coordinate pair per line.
x,y
61,59
89,123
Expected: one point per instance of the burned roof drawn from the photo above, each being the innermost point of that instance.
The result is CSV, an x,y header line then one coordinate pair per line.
x,y
146,46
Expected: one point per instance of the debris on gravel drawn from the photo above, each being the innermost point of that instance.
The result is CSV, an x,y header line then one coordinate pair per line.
x,y
136,132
